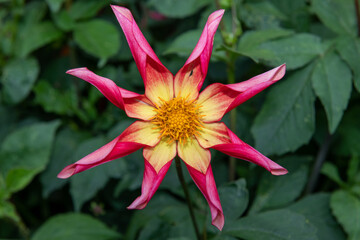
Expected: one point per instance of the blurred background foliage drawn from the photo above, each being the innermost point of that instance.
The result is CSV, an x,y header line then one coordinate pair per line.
x,y
308,122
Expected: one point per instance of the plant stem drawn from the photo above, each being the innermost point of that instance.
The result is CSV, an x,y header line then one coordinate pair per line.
x,y
187,195
231,79
320,159
357,10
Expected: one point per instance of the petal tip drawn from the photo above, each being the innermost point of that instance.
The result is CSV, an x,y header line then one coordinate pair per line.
x,y
67,171
124,12
279,171
218,221
75,70
280,72
137,205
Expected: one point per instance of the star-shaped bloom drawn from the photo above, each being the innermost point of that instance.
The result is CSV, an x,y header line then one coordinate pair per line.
x,y
174,118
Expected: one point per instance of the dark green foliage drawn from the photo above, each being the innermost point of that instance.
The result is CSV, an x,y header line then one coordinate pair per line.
x,y
49,120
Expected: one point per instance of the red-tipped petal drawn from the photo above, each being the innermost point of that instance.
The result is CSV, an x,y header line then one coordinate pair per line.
x,y
106,86
213,134
194,155
108,152
207,186
135,105
190,77
157,79
160,154
240,149
150,184
218,99
136,136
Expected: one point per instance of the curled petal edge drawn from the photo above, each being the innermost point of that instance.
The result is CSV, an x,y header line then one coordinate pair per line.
x,y
151,182
206,184
240,149
108,152
218,99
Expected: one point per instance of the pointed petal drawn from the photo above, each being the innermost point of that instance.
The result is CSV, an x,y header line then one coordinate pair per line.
x,y
213,134
194,155
157,79
159,155
108,152
150,184
141,132
207,186
240,149
190,77
136,136
218,99
135,105
139,107
106,86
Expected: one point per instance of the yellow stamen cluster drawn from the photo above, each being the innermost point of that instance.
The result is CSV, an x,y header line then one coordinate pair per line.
x,y
178,119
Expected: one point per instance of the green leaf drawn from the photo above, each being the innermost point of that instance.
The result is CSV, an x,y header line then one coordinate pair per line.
x,y
37,35
337,15
331,171
84,9
252,39
353,168
249,43
64,21
74,226
85,185
234,198
316,209
296,50
55,5
25,152
178,9
98,38
65,145
349,49
277,191
287,119
7,210
184,44
7,121
346,208
261,15
19,178
331,81
53,100
18,78
347,144
273,225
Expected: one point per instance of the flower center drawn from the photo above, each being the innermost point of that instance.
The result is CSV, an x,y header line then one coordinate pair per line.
x,y
178,119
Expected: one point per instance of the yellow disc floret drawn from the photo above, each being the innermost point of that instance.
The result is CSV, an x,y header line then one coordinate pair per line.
x,y
178,119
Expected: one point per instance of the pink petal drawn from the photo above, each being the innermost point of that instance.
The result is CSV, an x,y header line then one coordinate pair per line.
x,y
213,134
160,154
150,184
157,79
207,186
240,149
135,105
136,136
194,155
218,99
190,77
109,152
106,86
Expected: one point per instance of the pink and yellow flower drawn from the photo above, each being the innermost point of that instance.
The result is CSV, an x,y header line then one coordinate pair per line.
x,y
174,118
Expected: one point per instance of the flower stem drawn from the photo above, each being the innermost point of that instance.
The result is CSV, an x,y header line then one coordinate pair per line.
x,y
320,159
231,79
187,195
357,10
